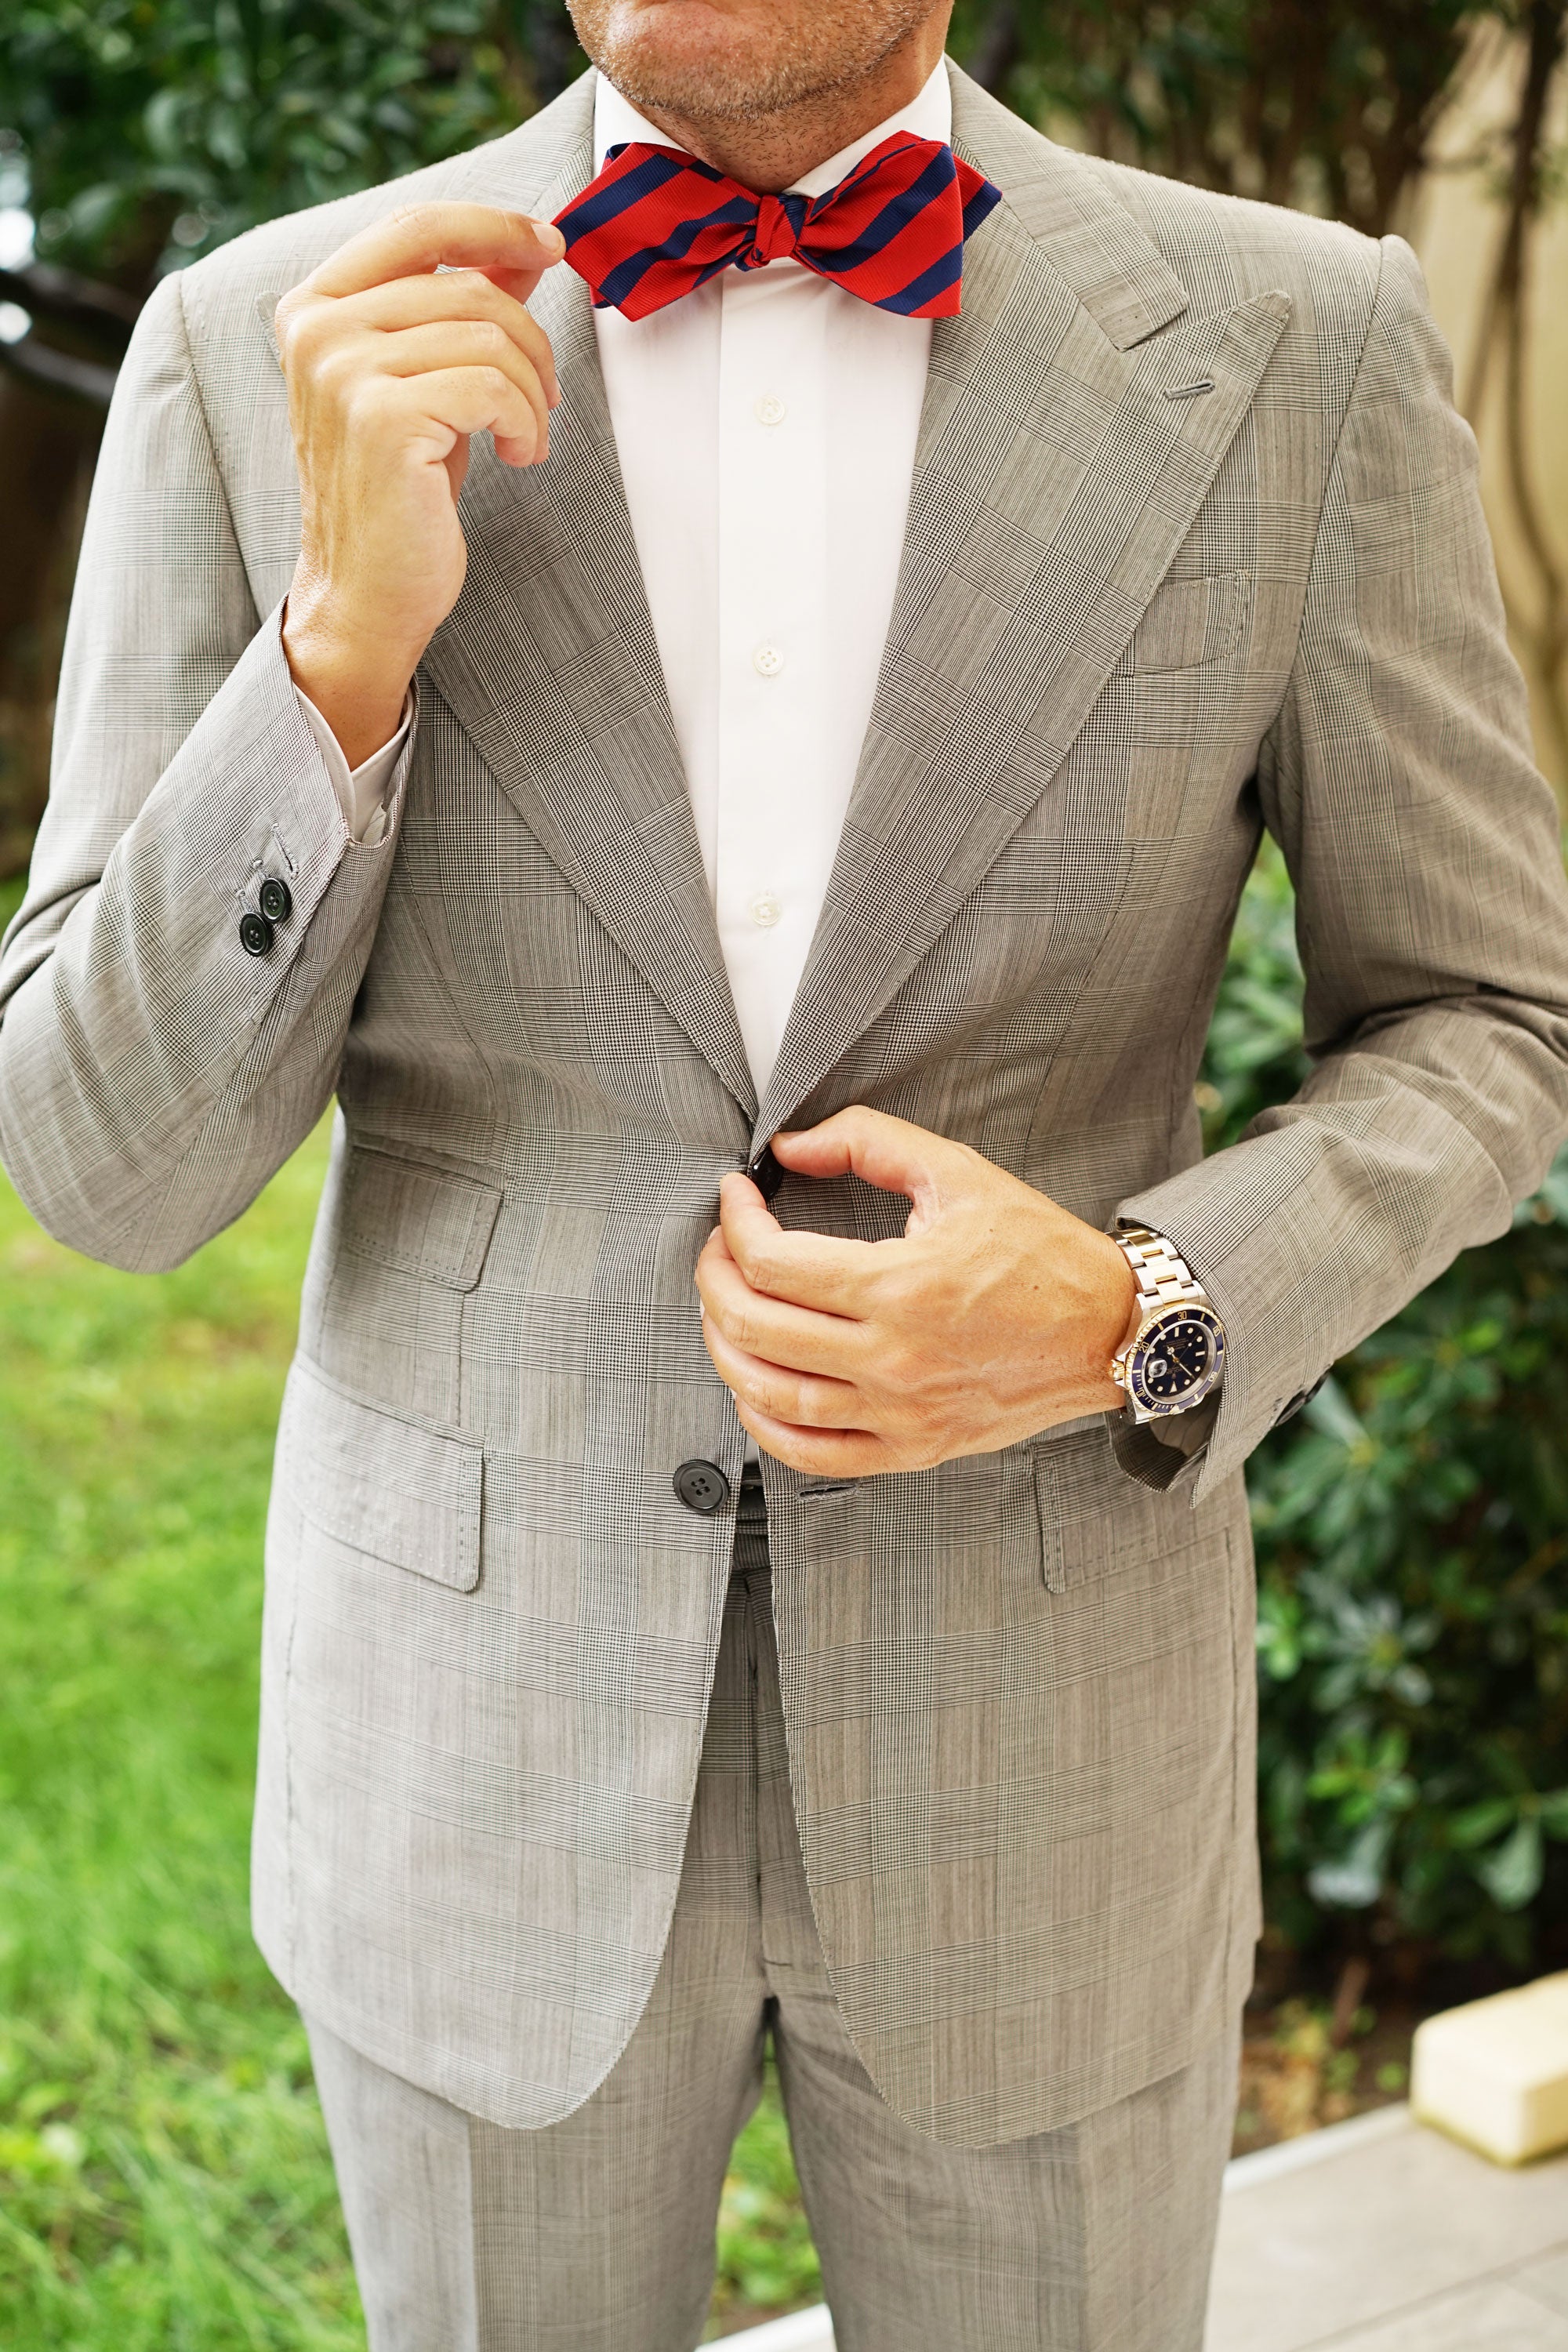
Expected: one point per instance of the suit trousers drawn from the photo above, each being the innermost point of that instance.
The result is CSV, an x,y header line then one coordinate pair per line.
x,y
596,2233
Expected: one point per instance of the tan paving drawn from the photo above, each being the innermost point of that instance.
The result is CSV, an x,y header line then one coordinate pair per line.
x,y
1374,2236
1380,2236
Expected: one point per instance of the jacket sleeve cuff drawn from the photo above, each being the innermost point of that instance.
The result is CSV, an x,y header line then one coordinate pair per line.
x,y
1259,1225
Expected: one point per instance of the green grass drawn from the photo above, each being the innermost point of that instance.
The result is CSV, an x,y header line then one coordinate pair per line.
x,y
163,2177
164,2184
766,2261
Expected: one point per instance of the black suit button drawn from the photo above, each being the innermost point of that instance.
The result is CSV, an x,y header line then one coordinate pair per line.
x,y
1303,1397
765,1172
275,899
701,1486
255,934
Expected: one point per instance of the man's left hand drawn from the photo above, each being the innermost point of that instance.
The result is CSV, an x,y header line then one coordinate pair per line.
x,y
995,1316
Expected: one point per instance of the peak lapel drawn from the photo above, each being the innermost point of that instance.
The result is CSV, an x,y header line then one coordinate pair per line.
x,y
1054,481
548,658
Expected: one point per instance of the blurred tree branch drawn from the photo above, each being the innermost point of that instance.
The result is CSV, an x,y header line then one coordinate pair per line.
x,y
1502,348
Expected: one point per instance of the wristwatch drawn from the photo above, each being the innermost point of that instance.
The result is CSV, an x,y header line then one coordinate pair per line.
x,y
1175,1357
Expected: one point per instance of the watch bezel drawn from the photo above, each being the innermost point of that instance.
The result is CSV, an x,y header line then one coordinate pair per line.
x,y
1143,1346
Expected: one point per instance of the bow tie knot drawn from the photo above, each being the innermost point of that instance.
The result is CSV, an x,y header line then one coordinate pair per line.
x,y
777,232
657,223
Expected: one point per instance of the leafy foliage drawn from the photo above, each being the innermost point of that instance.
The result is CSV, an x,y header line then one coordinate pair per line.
x,y
1413,1553
151,129
1327,106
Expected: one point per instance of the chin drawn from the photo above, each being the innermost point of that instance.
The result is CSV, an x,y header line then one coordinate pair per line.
x,y
697,59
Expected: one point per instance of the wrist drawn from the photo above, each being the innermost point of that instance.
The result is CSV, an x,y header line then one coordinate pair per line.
x,y
1108,1314
356,681
1124,1308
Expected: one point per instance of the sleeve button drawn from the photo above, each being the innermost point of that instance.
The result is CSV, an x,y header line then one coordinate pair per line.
x,y
275,899
255,934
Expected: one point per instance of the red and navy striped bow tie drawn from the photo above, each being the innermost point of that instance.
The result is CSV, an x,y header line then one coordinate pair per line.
x,y
657,222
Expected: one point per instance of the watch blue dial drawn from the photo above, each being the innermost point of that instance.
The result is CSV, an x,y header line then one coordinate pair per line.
x,y
1176,1359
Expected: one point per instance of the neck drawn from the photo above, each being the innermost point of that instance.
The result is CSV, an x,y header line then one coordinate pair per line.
x,y
768,152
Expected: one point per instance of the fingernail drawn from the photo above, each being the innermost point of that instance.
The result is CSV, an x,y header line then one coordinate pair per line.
x,y
549,237
553,396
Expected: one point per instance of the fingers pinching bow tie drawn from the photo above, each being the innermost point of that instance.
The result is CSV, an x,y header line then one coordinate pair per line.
x,y
657,223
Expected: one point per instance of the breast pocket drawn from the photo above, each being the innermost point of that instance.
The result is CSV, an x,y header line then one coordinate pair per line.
x,y
422,1219
409,1247
1190,624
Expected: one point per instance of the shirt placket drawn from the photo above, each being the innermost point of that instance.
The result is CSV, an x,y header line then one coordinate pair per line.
x,y
773,615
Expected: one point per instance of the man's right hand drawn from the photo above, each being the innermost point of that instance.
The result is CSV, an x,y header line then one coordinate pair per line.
x,y
393,361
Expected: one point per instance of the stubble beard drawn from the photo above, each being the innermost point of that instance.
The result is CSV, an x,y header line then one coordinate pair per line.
x,y
731,81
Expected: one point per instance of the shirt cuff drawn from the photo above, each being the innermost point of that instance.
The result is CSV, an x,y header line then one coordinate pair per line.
x,y
1168,1452
360,792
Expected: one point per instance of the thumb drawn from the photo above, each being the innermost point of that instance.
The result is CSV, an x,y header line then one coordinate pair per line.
x,y
889,1152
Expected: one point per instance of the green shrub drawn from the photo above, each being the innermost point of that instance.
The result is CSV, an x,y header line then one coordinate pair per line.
x,y
149,134
1413,1563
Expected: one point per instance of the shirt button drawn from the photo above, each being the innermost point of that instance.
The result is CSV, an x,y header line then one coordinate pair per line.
x,y
765,910
767,661
771,409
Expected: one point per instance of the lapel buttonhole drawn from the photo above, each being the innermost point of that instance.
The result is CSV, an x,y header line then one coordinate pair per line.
x,y
1189,391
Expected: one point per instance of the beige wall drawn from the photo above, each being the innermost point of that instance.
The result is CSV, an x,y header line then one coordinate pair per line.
x,y
1455,224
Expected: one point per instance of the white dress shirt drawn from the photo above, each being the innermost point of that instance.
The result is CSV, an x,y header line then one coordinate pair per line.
x,y
766,427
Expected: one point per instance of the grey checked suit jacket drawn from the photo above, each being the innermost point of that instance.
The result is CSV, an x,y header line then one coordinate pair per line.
x,y
1131,626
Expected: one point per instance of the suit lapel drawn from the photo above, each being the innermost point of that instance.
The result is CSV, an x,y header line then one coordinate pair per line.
x,y
1055,479
548,658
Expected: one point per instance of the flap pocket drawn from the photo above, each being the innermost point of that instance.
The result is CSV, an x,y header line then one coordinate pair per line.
x,y
385,1486
1094,1521
425,1220
1189,622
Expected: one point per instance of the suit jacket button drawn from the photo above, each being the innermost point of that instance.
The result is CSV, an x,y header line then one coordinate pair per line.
x,y
275,899
701,1486
255,934
765,1172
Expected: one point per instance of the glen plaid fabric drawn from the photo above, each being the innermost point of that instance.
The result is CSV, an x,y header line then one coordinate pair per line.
x,y
1138,617
598,2232
657,222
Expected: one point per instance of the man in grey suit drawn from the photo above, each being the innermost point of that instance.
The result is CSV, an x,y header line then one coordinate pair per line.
x,y
784,734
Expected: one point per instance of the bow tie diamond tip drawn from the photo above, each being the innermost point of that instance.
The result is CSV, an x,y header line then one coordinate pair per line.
x,y
657,223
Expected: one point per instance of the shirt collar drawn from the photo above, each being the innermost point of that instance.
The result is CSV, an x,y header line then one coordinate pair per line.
x,y
928,115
